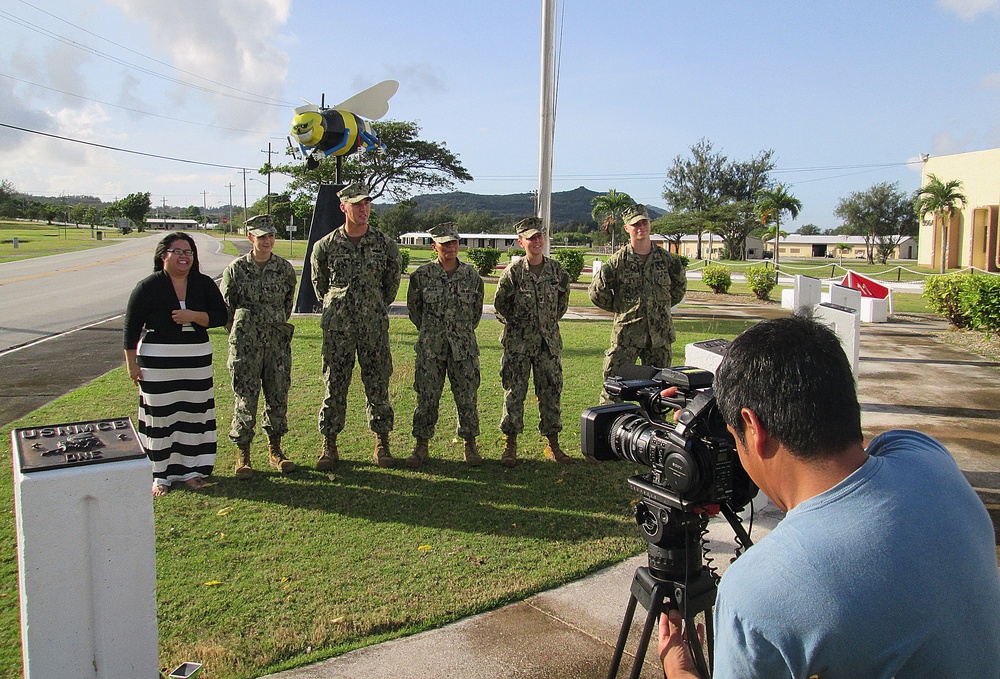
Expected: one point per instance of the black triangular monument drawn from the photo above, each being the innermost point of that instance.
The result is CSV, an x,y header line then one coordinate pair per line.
x,y
327,217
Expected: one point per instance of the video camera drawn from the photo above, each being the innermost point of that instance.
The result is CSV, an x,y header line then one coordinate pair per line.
x,y
693,459
695,473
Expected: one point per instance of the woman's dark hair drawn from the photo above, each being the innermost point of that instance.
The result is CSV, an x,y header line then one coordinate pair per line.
x,y
794,375
167,243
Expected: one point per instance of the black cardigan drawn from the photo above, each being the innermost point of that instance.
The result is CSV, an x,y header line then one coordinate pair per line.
x,y
153,300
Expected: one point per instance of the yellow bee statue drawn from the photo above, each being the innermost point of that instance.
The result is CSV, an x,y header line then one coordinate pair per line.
x,y
338,131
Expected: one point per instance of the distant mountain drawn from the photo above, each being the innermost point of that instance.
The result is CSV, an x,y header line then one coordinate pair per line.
x,y
567,206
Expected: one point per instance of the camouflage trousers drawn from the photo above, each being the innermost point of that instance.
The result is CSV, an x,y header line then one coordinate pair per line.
x,y
428,381
547,370
262,364
620,355
339,349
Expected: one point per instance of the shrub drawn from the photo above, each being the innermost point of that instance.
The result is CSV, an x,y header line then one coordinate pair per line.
x,y
404,257
718,278
942,295
979,299
572,261
484,259
685,260
514,252
761,280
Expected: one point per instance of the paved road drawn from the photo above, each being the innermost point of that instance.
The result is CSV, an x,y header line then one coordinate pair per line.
x,y
45,296
61,317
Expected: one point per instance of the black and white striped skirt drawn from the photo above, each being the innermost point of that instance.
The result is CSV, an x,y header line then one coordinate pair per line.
x,y
176,408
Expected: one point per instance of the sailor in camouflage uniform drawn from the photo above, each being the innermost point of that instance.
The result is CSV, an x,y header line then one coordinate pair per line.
x,y
640,283
445,302
531,297
356,272
259,289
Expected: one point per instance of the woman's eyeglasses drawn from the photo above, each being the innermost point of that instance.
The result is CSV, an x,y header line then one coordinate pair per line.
x,y
179,252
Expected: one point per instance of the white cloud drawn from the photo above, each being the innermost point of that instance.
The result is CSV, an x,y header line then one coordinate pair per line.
x,y
230,44
967,9
991,81
945,144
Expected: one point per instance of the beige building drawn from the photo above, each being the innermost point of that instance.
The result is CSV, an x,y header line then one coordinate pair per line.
x,y
797,245
972,233
714,244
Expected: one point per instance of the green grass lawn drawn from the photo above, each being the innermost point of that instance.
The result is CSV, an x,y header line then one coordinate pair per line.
x,y
311,565
39,240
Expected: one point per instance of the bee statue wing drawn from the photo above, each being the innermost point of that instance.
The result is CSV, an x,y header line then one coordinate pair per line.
x,y
372,103
309,106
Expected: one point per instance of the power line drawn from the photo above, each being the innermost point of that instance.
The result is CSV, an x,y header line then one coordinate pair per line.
x,y
660,176
115,148
146,56
131,110
257,99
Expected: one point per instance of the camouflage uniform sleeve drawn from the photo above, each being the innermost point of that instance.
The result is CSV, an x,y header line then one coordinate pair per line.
x,y
290,292
415,300
563,292
602,288
480,292
503,300
228,290
320,273
393,273
678,281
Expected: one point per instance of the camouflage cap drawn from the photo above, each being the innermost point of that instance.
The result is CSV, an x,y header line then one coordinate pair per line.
x,y
444,233
526,228
355,193
260,225
635,214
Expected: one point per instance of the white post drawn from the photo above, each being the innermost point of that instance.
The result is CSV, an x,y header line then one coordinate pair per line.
x,y
85,552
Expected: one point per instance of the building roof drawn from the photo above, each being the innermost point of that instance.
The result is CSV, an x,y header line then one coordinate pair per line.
x,y
424,234
799,239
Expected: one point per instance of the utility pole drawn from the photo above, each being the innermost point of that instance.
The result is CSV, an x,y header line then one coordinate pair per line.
x,y
230,224
244,171
268,152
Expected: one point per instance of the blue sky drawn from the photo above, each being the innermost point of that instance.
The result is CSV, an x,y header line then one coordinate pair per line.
x,y
847,94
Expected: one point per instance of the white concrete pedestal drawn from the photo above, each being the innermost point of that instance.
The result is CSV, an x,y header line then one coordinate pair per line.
x,y
86,567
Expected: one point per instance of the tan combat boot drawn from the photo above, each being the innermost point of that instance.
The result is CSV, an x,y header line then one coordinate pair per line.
x,y
553,452
329,456
243,468
419,455
276,457
382,457
508,458
472,457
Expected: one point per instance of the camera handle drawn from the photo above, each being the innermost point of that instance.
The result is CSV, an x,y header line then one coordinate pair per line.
x,y
658,596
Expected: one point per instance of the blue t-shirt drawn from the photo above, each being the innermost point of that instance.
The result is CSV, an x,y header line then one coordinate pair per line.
x,y
890,573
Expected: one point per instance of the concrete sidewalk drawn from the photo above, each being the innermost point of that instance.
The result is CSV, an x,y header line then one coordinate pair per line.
x,y
907,379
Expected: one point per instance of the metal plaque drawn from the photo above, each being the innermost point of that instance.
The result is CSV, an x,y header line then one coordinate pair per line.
x,y
715,346
74,444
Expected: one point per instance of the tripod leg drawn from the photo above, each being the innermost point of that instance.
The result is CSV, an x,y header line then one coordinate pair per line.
x,y
656,606
694,643
616,659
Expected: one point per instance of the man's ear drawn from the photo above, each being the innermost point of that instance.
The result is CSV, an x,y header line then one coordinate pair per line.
x,y
758,441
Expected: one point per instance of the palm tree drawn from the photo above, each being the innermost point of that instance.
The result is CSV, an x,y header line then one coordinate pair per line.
x,y
608,210
770,204
843,247
941,199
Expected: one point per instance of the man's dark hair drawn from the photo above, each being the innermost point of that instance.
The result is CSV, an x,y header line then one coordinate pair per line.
x,y
794,375
167,242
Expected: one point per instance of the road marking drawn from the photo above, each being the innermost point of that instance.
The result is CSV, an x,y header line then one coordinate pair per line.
x,y
76,268
35,343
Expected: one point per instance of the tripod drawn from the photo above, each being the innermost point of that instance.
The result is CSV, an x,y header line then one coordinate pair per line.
x,y
676,576
657,595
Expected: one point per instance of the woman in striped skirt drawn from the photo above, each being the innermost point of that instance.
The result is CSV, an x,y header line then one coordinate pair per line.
x,y
171,362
